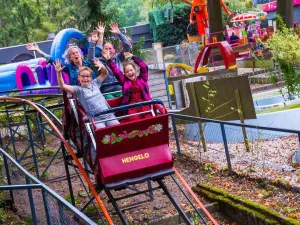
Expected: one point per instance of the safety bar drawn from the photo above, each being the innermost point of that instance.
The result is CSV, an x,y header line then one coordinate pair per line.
x,y
125,107
109,84
122,117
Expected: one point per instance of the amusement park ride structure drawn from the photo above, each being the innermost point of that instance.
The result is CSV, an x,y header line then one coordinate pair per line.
x,y
199,15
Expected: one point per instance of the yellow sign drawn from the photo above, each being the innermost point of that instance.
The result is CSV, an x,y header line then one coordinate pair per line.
x,y
135,158
171,89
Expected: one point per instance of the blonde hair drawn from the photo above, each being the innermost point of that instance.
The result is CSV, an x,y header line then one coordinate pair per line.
x,y
128,63
85,68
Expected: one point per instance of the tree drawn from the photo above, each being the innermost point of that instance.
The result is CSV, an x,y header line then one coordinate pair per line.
x,y
285,48
215,18
92,11
157,3
285,8
125,12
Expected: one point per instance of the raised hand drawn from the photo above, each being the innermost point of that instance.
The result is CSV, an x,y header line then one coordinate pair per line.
x,y
128,55
98,64
114,28
57,65
32,47
100,28
106,54
94,36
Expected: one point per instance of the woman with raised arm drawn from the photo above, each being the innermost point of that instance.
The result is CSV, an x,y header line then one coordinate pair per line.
x,y
73,56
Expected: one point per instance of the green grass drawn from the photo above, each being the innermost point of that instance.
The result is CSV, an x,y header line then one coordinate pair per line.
x,y
278,109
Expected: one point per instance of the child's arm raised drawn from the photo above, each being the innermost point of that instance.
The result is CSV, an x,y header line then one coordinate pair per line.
x,y
143,66
114,68
60,80
103,69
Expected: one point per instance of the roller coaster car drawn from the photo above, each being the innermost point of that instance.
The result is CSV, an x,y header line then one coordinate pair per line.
x,y
127,153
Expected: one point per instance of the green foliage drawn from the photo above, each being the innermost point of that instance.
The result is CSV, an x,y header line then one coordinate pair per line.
x,y
171,33
285,48
92,11
195,218
48,151
208,168
76,199
137,49
157,3
125,13
3,216
246,206
24,21
28,220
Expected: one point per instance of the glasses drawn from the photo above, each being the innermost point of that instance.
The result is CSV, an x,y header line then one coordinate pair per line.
x,y
83,76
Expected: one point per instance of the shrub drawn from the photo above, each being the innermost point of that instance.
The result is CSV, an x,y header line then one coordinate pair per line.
x,y
170,33
285,48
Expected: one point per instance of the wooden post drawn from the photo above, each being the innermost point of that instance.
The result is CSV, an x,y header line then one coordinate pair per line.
x,y
241,115
193,99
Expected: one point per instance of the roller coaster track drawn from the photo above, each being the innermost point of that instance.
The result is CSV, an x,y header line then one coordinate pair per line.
x,y
44,111
70,151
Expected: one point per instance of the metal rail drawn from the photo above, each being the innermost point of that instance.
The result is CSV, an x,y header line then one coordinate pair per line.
x,y
70,151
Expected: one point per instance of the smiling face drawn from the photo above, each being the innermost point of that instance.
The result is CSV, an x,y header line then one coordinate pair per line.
x,y
130,72
85,76
75,55
110,48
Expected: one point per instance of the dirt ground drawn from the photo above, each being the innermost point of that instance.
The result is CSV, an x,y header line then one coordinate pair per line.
x,y
157,208
279,199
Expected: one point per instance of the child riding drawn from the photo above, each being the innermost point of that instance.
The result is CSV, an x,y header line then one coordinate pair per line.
x,y
88,93
134,88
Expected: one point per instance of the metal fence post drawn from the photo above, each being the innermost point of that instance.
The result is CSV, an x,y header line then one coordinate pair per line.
x,y
66,157
31,143
47,208
226,147
31,202
9,182
41,127
167,89
12,135
176,135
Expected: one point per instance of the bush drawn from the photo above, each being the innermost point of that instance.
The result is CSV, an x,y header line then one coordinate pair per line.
x,y
285,48
170,33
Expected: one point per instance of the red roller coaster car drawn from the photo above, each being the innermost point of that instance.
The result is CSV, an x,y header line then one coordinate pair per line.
x,y
128,153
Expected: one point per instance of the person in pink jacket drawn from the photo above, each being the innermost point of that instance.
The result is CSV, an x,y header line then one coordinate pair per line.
x,y
134,88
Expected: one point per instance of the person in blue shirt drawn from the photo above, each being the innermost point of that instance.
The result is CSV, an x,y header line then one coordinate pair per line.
x,y
73,58
233,38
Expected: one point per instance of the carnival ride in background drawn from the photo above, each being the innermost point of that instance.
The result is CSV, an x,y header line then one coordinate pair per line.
x,y
212,54
36,73
199,16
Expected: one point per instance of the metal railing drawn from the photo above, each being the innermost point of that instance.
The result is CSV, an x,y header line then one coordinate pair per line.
x,y
260,79
224,145
35,201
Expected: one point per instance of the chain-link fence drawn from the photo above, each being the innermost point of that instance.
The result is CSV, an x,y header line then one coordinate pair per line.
x,y
32,201
245,149
260,79
26,135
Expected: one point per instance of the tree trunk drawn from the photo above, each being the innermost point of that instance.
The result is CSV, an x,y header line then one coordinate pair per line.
x,y
215,19
285,8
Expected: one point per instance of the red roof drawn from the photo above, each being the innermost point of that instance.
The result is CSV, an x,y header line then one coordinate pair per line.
x,y
243,17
